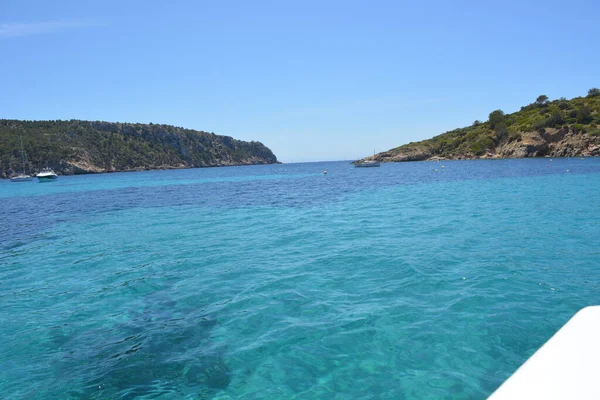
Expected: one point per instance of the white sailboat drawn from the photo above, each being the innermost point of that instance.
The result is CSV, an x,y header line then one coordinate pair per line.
x,y
367,163
22,177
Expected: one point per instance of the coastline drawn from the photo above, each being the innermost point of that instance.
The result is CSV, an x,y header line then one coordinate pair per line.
x,y
146,169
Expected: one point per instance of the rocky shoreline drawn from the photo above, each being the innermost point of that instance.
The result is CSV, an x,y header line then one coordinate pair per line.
x,y
544,128
549,142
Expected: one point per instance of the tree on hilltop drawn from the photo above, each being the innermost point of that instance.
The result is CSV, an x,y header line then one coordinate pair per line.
x,y
593,92
542,100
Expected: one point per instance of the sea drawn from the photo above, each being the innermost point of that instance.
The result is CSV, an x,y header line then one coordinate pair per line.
x,y
417,280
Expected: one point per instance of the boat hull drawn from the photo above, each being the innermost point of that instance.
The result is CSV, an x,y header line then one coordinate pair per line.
x,y
49,178
25,178
367,165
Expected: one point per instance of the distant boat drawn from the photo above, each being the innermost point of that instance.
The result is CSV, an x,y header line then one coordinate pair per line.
x,y
367,164
23,177
47,175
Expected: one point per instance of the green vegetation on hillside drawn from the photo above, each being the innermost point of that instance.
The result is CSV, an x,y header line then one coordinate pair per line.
x,y
557,128
85,146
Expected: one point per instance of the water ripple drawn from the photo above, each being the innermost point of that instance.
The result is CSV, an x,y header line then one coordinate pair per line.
x,y
279,282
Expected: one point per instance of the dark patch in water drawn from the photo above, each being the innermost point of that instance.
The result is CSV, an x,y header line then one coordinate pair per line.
x,y
156,352
214,374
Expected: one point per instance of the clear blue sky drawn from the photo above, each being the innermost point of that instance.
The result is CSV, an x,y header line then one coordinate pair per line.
x,y
313,80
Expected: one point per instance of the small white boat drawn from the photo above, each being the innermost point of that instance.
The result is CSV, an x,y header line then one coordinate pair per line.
x,y
47,175
367,164
22,177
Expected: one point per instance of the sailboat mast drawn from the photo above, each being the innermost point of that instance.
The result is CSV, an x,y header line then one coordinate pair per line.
x,y
22,154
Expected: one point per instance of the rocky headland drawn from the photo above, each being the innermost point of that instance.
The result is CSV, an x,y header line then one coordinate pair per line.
x,y
559,128
82,147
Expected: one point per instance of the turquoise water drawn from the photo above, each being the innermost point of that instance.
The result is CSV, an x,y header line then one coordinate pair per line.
x,y
277,281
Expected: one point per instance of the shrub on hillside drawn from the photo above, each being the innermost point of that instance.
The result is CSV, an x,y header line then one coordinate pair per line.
x,y
594,132
501,131
556,119
539,125
496,118
584,115
578,128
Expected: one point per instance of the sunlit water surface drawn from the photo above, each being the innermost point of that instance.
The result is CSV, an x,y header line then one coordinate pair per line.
x,y
279,282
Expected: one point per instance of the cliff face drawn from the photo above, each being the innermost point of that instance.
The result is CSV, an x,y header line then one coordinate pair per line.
x,y
79,147
561,128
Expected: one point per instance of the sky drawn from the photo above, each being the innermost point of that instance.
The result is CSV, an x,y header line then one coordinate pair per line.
x,y
312,80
